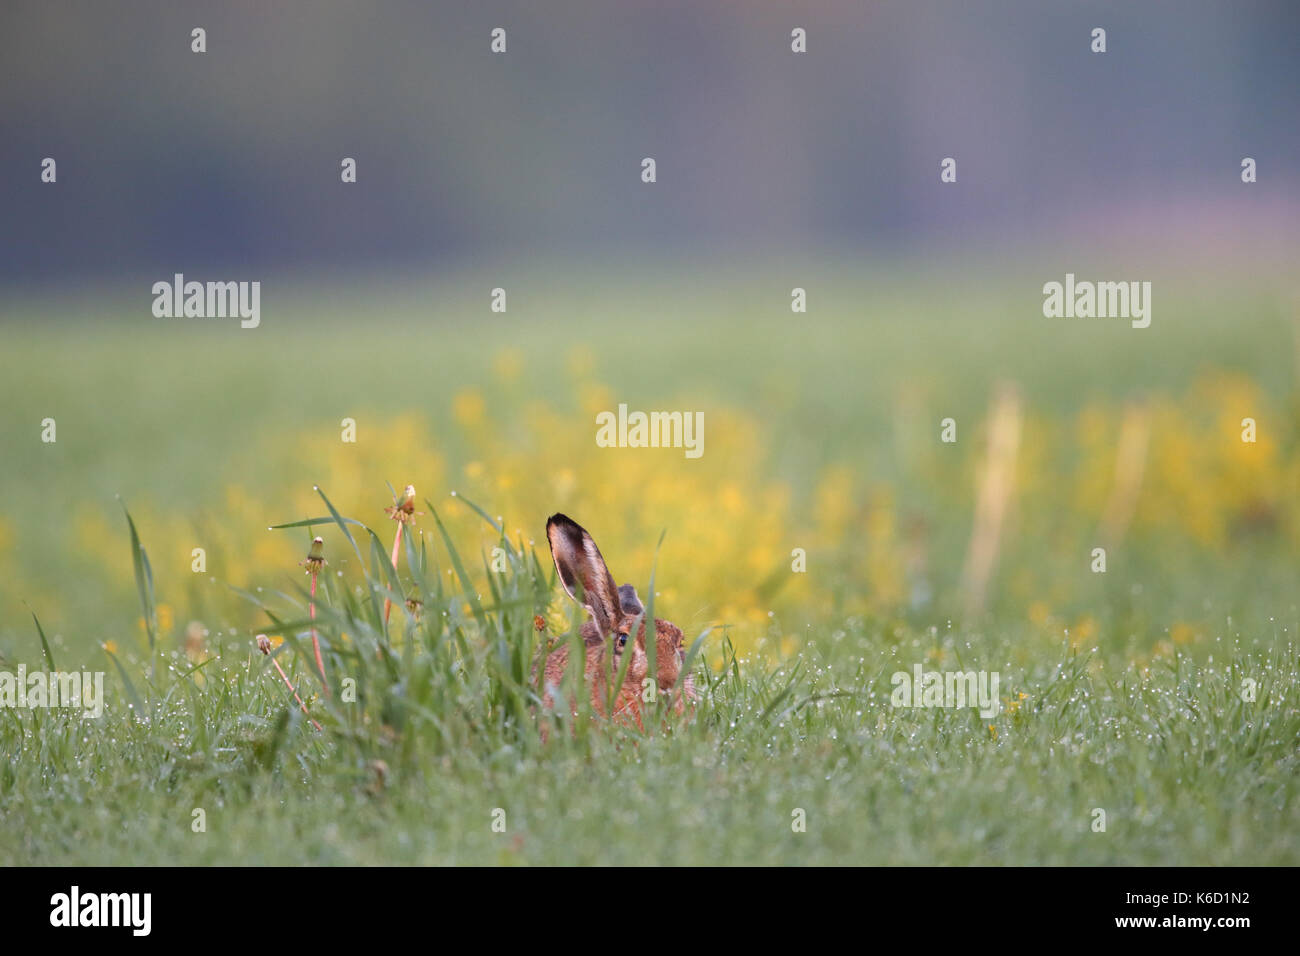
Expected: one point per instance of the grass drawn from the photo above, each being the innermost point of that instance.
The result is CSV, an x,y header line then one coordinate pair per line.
x,y
822,434
441,739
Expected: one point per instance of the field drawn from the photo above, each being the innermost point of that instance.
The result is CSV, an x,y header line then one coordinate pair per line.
x,y
1161,691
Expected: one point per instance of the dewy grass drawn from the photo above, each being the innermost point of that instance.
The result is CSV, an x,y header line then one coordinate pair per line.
x,y
1190,757
264,645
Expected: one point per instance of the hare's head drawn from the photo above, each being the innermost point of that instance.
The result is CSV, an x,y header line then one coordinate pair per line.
x,y
616,613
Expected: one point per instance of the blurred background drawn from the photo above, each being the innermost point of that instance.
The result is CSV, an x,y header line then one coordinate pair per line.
x,y
775,170
230,159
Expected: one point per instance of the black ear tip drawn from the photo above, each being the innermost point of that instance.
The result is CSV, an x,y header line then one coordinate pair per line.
x,y
565,524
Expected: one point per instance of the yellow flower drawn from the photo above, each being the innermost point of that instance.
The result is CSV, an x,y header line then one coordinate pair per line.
x,y
468,407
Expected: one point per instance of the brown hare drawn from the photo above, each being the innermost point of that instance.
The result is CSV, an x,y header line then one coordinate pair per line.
x,y
606,634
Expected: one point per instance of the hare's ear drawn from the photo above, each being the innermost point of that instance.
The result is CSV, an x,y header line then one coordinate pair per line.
x,y
578,561
632,605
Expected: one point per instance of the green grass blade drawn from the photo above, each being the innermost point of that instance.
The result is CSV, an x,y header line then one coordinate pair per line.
x,y
625,657
343,523
458,566
482,514
126,682
381,556
45,645
651,631
689,661
143,581
308,522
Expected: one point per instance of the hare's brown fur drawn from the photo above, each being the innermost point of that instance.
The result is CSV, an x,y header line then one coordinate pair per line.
x,y
606,635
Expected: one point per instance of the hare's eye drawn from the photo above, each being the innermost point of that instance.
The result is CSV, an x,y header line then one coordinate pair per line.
x,y
622,639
